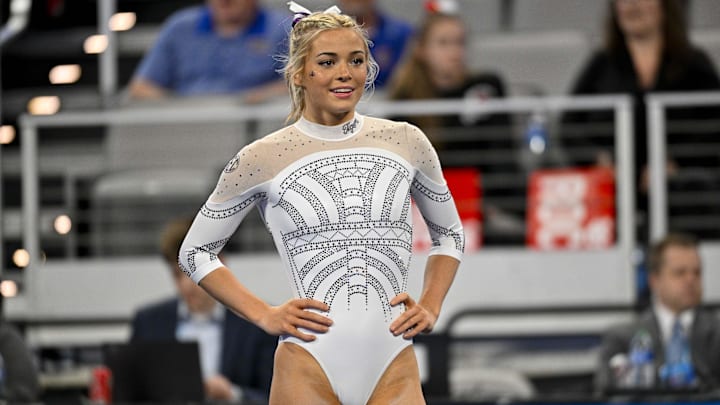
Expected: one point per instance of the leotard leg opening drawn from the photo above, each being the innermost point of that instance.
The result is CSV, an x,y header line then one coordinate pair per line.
x,y
299,379
400,382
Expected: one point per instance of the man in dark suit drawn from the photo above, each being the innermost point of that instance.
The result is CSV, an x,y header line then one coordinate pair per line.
x,y
235,355
675,278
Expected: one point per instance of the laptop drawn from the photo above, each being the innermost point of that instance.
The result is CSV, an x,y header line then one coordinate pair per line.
x,y
167,371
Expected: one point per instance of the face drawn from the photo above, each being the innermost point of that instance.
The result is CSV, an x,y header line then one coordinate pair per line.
x,y
333,76
639,17
443,49
678,283
197,300
228,12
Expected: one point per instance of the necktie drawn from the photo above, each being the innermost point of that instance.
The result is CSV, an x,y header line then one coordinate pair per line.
x,y
678,370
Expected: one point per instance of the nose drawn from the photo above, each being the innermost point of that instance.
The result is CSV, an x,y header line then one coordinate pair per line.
x,y
343,73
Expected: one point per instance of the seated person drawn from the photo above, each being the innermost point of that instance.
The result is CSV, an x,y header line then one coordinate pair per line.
x,y
675,323
222,47
390,36
436,68
21,384
235,355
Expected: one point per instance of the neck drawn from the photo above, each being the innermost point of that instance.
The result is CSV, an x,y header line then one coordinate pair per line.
x,y
646,53
447,81
228,27
328,119
650,41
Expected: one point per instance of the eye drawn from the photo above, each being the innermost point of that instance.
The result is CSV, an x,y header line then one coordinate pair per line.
x,y
358,61
326,62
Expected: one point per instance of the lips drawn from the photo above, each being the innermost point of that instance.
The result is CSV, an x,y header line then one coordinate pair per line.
x,y
343,92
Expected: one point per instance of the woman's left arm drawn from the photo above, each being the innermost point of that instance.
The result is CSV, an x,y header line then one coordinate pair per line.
x,y
420,317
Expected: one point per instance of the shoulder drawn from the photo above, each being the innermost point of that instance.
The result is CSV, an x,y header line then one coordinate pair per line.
x,y
395,26
699,60
409,132
254,164
600,70
374,123
706,318
698,55
276,19
157,308
256,153
487,79
599,59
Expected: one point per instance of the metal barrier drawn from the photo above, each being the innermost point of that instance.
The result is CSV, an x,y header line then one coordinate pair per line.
x,y
620,105
657,106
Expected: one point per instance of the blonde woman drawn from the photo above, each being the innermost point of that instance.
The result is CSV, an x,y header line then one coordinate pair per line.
x,y
334,188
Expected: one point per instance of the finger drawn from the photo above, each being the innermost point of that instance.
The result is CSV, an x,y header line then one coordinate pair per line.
x,y
419,328
403,328
414,322
397,323
306,303
302,336
317,327
411,333
402,297
317,318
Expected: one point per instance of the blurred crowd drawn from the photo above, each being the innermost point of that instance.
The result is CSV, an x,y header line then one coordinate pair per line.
x,y
236,47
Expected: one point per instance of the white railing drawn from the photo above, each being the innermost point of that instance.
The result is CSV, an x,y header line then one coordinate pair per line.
x,y
657,105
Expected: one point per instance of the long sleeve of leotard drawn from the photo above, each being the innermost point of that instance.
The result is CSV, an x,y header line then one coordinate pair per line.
x,y
240,188
432,196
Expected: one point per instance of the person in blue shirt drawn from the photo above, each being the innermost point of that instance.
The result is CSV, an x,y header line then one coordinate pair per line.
x,y
221,47
390,36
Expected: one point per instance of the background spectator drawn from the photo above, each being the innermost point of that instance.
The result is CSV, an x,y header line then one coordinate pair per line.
x,y
646,50
236,356
222,47
20,377
389,35
676,283
436,68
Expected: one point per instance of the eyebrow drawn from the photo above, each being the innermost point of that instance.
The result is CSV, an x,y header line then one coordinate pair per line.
x,y
333,54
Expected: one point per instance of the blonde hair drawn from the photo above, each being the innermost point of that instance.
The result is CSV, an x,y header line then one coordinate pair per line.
x,y
302,36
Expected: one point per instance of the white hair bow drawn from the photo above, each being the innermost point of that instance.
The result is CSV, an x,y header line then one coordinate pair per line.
x,y
302,12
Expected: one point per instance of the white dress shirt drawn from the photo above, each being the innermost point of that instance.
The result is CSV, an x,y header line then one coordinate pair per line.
x,y
206,329
666,319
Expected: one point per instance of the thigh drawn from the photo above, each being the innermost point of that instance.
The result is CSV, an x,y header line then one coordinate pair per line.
x,y
298,379
400,383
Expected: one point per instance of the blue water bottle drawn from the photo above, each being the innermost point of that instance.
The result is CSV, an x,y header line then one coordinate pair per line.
x,y
536,134
678,371
642,367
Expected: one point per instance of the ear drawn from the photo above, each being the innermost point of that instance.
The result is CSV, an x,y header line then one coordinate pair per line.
x,y
652,279
298,78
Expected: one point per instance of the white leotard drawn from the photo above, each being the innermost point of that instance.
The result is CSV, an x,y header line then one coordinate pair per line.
x,y
337,201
